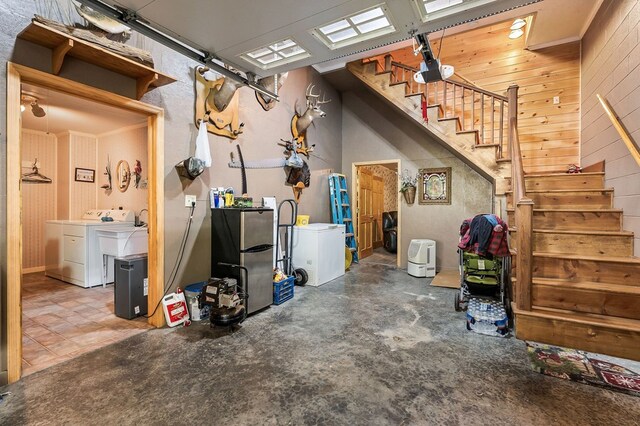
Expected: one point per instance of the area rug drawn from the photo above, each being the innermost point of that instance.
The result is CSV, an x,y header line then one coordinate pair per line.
x,y
585,367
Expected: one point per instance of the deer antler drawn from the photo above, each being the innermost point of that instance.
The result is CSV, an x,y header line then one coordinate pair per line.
x,y
323,101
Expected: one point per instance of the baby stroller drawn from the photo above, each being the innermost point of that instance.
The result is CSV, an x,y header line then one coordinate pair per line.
x,y
485,263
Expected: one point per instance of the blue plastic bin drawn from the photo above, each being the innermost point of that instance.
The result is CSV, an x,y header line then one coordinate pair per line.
x,y
283,290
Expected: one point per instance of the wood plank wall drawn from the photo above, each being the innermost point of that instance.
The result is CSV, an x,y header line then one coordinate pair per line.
x,y
549,134
611,68
38,200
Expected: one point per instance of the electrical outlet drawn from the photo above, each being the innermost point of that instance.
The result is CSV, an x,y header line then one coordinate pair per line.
x,y
556,100
189,199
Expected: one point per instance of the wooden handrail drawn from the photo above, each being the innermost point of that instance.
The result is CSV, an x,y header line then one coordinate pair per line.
x,y
523,210
457,83
624,134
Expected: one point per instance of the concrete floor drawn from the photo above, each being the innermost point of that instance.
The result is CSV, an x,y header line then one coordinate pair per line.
x,y
374,347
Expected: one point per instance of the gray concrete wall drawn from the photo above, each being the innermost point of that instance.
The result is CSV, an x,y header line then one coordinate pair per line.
x,y
611,68
262,131
373,131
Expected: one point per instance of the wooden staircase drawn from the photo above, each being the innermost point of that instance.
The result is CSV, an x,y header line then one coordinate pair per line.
x,y
576,282
585,283
472,122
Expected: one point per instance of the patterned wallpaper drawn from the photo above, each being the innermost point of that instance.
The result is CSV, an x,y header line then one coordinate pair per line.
x,y
390,182
38,200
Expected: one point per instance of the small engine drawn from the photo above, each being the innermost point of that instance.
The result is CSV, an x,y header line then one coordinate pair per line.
x,y
227,304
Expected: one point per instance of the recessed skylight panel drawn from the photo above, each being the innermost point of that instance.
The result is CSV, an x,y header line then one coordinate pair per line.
x,y
360,26
276,54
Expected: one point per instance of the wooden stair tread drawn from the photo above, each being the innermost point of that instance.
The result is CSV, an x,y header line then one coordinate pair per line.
x,y
537,175
570,256
562,191
409,95
578,232
578,210
482,145
449,119
588,285
460,132
397,83
581,318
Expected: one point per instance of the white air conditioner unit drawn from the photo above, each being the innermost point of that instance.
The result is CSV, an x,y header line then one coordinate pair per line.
x,y
422,258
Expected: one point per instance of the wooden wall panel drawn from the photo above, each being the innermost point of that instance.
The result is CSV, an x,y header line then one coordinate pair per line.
x,y
611,68
488,58
38,200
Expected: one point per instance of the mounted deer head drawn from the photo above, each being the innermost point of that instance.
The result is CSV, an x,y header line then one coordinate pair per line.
x,y
300,123
217,104
273,83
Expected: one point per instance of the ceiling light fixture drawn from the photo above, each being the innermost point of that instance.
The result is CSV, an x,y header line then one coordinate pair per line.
x,y
518,23
31,100
37,109
516,34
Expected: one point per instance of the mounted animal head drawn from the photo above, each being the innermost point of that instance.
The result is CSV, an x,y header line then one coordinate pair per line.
x,y
273,83
220,96
313,110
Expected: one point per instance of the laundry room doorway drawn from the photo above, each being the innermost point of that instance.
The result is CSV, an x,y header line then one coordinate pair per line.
x,y
75,152
377,207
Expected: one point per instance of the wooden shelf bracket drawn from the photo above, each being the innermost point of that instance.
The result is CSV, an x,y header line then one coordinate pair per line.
x,y
143,83
58,54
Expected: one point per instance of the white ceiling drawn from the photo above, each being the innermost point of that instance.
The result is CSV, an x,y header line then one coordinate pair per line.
x,y
230,28
66,112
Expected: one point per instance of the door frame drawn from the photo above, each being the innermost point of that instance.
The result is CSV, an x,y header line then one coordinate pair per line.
x,y
354,188
16,75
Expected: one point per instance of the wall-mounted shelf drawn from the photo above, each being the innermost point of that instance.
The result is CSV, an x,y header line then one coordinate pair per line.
x,y
63,45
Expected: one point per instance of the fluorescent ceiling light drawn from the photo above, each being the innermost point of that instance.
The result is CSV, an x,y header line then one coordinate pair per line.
x,y
518,23
276,54
516,34
360,26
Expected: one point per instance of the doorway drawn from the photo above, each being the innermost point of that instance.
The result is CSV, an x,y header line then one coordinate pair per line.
x,y
377,208
17,77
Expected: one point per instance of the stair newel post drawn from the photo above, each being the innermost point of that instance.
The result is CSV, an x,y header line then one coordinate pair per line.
x,y
463,109
444,97
512,107
387,62
524,257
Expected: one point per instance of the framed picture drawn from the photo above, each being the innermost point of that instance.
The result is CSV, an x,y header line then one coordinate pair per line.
x,y
85,175
435,186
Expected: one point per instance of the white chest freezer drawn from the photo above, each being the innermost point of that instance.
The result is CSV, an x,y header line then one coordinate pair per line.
x,y
318,248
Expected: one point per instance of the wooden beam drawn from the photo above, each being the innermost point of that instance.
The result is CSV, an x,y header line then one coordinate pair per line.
x,y
58,54
626,137
143,83
14,228
156,216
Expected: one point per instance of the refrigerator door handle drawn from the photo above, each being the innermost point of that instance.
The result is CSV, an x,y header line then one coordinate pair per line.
x,y
258,248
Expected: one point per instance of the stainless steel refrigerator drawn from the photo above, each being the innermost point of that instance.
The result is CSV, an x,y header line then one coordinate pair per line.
x,y
244,236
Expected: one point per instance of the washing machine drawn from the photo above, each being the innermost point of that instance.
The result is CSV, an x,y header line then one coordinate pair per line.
x,y
72,249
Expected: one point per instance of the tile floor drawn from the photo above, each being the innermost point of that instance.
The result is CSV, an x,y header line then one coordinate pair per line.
x,y
61,321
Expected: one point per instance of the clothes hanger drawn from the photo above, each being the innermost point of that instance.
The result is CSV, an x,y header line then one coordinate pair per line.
x,y
35,176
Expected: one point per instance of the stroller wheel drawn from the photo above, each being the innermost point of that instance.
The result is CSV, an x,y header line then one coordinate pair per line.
x,y
456,300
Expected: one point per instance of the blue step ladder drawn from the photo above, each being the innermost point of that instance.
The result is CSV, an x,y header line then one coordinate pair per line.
x,y
341,210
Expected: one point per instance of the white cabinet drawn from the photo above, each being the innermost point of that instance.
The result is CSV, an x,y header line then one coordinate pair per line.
x,y
72,252
319,248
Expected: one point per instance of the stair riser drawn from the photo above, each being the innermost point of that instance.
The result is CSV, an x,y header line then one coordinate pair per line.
x,y
587,337
624,305
570,181
585,244
590,200
576,221
587,270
